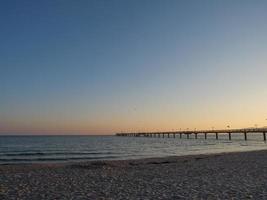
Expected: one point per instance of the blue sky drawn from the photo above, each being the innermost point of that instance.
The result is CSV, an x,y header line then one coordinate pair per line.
x,y
105,66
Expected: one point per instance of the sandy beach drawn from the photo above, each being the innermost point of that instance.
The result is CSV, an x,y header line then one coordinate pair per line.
x,y
218,176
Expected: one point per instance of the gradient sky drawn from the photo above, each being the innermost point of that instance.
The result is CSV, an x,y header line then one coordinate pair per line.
x,y
94,66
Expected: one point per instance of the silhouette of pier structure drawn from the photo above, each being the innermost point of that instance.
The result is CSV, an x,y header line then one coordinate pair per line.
x,y
195,133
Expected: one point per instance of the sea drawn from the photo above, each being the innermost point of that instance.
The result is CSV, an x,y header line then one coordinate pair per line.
x,y
57,149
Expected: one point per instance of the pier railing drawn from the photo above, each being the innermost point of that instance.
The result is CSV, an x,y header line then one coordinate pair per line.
x,y
197,132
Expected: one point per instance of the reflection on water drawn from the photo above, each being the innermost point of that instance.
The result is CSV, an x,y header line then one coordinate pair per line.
x,y
25,149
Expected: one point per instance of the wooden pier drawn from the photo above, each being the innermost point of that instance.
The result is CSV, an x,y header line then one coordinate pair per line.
x,y
173,134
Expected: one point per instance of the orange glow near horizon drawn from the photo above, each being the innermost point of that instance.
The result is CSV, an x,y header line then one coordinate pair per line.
x,y
205,117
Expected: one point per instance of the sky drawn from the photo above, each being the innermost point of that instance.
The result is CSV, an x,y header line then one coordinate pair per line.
x,y
106,66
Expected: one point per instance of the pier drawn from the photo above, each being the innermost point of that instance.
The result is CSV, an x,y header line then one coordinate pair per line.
x,y
188,133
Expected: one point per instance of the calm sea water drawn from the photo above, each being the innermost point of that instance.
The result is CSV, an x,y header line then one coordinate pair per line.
x,y
28,149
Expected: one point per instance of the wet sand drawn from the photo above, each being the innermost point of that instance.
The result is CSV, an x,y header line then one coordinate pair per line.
x,y
218,176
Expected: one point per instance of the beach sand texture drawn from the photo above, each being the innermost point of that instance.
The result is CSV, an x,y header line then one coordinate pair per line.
x,y
219,176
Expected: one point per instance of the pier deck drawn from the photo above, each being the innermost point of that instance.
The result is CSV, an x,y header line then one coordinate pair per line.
x,y
196,133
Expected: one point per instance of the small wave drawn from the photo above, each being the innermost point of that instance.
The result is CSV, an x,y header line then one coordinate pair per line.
x,y
211,144
29,160
53,153
21,154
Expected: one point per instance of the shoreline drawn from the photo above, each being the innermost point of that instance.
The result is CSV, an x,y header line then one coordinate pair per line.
x,y
134,160
237,175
